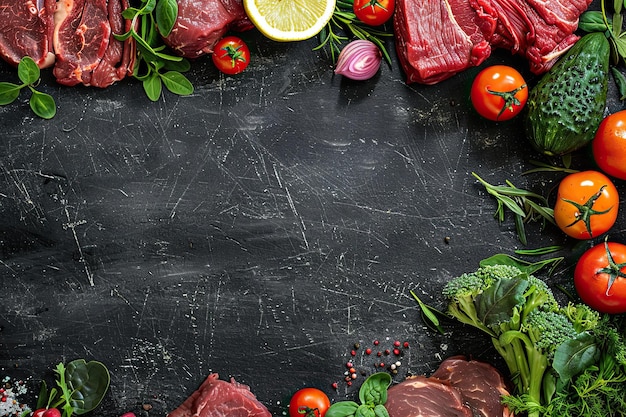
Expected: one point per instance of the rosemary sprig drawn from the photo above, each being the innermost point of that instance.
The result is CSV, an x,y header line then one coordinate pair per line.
x,y
344,24
525,205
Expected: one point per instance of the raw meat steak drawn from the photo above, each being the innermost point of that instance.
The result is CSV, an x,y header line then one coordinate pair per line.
x,y
218,398
436,39
481,385
201,23
26,30
419,396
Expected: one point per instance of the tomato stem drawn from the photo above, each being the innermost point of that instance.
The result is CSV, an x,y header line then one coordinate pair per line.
x,y
585,211
509,98
308,411
613,269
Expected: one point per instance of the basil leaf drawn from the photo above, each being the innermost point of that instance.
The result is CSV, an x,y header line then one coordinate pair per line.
x,y
148,7
364,411
9,92
381,411
497,303
374,389
592,21
620,81
152,86
27,70
89,382
575,355
177,83
180,66
43,104
130,13
342,409
166,12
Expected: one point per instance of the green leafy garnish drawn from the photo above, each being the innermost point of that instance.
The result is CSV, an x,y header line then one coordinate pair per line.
x,y
372,397
80,387
525,205
42,104
156,66
344,24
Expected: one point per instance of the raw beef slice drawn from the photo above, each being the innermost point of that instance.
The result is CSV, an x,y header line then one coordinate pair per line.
x,y
201,23
26,30
436,39
218,398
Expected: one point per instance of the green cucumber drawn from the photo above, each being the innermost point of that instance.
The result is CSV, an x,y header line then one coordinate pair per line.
x,y
566,106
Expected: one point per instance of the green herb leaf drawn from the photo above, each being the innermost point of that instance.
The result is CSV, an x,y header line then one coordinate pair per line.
x,y
177,83
27,70
429,314
166,12
496,303
374,389
43,104
9,92
364,411
130,13
381,411
89,382
575,355
342,409
620,82
592,21
152,86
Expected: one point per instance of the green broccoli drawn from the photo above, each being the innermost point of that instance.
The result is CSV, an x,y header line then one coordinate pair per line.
x,y
525,322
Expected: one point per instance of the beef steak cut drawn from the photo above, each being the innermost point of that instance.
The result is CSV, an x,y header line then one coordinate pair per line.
x,y
201,23
26,30
436,39
481,385
218,398
419,396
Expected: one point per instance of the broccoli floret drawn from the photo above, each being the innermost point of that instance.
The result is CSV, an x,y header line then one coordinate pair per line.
x,y
583,317
523,318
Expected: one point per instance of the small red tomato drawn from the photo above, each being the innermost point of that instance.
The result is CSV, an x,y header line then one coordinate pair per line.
x,y
373,12
308,402
600,277
609,145
586,204
499,93
231,55
39,412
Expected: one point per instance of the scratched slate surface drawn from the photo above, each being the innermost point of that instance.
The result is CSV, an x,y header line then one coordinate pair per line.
x,y
258,229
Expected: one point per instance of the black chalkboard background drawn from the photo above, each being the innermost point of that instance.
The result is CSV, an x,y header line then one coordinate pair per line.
x,y
258,228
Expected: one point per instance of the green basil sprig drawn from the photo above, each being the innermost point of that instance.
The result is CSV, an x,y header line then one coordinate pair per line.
x,y
372,395
155,66
42,104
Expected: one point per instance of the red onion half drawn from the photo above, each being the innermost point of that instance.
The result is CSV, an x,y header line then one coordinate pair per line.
x,y
359,60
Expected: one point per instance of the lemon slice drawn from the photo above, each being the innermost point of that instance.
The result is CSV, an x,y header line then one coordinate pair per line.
x,y
289,20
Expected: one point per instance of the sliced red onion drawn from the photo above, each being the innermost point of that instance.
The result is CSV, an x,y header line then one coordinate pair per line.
x,y
359,60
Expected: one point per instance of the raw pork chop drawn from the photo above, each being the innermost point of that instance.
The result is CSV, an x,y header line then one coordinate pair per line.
x,y
217,398
201,23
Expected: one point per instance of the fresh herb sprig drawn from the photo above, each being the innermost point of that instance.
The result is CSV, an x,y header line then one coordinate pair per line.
x,y
344,24
42,104
525,205
156,66
372,398
80,387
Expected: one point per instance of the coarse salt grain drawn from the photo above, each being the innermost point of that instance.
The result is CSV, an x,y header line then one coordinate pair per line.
x,y
10,406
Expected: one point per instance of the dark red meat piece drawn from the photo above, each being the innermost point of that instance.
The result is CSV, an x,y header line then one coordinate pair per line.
x,y
420,396
26,30
481,385
201,23
218,398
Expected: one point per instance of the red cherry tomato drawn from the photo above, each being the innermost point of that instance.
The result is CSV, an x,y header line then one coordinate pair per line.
x,y
231,55
499,93
609,145
373,12
308,402
39,412
586,204
600,277
47,412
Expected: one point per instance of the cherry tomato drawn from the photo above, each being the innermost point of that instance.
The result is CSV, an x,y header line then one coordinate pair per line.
x,y
231,55
39,412
47,412
600,277
308,402
373,12
586,204
609,145
499,93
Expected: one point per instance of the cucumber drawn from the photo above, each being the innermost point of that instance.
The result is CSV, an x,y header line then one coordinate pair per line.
x,y
566,106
